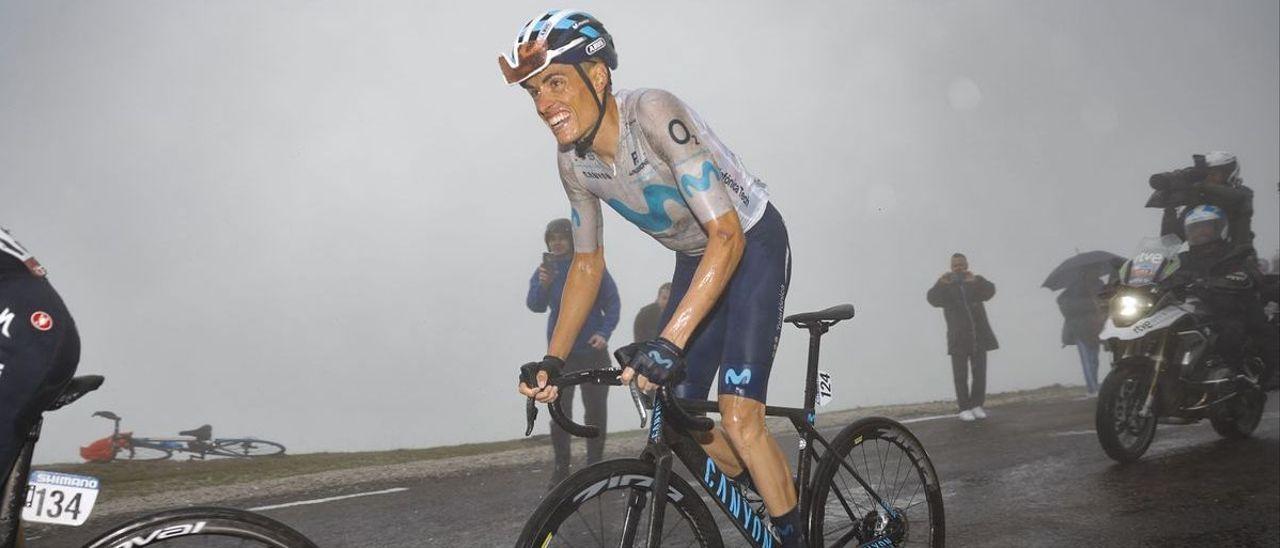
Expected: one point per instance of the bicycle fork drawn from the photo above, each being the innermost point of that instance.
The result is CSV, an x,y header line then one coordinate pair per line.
x,y
662,458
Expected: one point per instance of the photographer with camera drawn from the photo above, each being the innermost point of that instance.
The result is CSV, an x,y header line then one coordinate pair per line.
x,y
960,294
1213,180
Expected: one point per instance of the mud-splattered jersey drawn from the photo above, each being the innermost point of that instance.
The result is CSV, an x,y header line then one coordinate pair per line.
x,y
671,174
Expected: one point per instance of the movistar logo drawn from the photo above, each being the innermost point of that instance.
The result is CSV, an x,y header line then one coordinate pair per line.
x,y
689,184
658,359
656,218
735,378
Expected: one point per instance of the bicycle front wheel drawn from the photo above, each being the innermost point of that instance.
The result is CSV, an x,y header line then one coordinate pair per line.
x,y
892,462
203,526
590,508
246,447
143,452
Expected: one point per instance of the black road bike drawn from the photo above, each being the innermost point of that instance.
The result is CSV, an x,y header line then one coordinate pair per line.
x,y
181,527
873,486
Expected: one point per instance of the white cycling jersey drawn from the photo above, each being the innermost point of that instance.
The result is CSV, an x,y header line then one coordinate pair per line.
x,y
671,175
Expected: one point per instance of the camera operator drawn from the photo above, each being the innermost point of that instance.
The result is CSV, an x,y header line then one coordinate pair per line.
x,y
1213,180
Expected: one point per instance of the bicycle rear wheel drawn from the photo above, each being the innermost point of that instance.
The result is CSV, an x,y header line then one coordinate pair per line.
x,y
204,527
246,447
894,464
589,508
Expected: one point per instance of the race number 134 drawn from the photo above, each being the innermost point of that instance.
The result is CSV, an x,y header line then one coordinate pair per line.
x,y
63,499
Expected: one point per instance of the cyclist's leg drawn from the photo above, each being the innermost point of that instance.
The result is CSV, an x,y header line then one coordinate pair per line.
x,y
702,359
39,356
755,299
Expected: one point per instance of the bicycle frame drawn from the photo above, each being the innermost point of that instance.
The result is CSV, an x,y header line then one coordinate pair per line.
x,y
198,449
12,497
666,442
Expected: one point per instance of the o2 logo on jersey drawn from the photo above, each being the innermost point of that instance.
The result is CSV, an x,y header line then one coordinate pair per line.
x,y
42,320
680,132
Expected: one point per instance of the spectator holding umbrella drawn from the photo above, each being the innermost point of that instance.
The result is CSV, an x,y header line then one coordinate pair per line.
x,y
960,294
1082,322
1082,314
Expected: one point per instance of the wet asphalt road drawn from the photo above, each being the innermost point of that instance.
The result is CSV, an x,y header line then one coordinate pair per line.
x,y
1030,475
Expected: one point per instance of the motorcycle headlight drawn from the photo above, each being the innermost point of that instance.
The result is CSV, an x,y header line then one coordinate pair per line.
x,y
1129,308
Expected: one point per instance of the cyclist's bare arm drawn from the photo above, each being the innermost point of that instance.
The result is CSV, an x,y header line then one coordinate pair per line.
x,y
580,289
582,282
587,270
724,249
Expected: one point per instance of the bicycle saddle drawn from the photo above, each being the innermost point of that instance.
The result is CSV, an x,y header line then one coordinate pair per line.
x,y
78,387
204,433
833,314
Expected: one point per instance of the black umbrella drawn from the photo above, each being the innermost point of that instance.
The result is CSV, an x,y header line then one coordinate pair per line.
x,y
1070,269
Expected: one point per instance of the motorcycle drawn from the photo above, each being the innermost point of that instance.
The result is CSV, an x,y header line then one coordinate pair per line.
x,y
1165,367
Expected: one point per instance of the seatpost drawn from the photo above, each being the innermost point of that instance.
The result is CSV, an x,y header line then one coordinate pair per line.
x,y
13,494
811,376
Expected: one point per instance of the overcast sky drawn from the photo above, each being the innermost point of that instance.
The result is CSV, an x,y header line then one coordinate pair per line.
x,y
316,221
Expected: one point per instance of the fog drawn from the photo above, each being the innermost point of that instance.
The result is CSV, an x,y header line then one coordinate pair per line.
x,y
316,221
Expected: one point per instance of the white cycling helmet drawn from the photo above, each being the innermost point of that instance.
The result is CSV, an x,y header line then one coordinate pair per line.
x,y
1204,224
1219,158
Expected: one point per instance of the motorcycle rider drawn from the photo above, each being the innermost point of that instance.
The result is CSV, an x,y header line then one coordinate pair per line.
x,y
1225,278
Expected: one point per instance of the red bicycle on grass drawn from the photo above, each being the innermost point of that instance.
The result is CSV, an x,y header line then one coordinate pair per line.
x,y
199,442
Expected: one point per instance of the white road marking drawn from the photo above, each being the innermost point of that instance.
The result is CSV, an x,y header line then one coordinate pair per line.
x,y
329,499
1074,433
929,418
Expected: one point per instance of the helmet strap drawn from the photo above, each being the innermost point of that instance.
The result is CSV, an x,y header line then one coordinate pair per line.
x,y
584,144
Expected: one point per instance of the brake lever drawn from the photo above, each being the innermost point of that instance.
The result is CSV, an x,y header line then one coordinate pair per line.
x,y
530,415
640,408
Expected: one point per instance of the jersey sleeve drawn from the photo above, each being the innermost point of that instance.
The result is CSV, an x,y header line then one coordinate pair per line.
x,y
683,142
588,231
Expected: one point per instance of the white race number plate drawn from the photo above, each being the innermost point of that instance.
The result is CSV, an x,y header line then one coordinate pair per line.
x,y
824,388
63,499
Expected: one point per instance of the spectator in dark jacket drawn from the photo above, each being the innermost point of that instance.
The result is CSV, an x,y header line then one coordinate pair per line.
x,y
960,294
1082,322
648,321
590,351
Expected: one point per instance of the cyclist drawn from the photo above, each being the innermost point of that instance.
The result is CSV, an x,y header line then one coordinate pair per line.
x,y
39,346
654,161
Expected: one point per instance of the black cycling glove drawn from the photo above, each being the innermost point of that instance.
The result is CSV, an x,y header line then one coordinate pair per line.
x,y
529,371
659,360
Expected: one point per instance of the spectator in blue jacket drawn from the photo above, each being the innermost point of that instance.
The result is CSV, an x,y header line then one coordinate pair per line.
x,y
590,351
